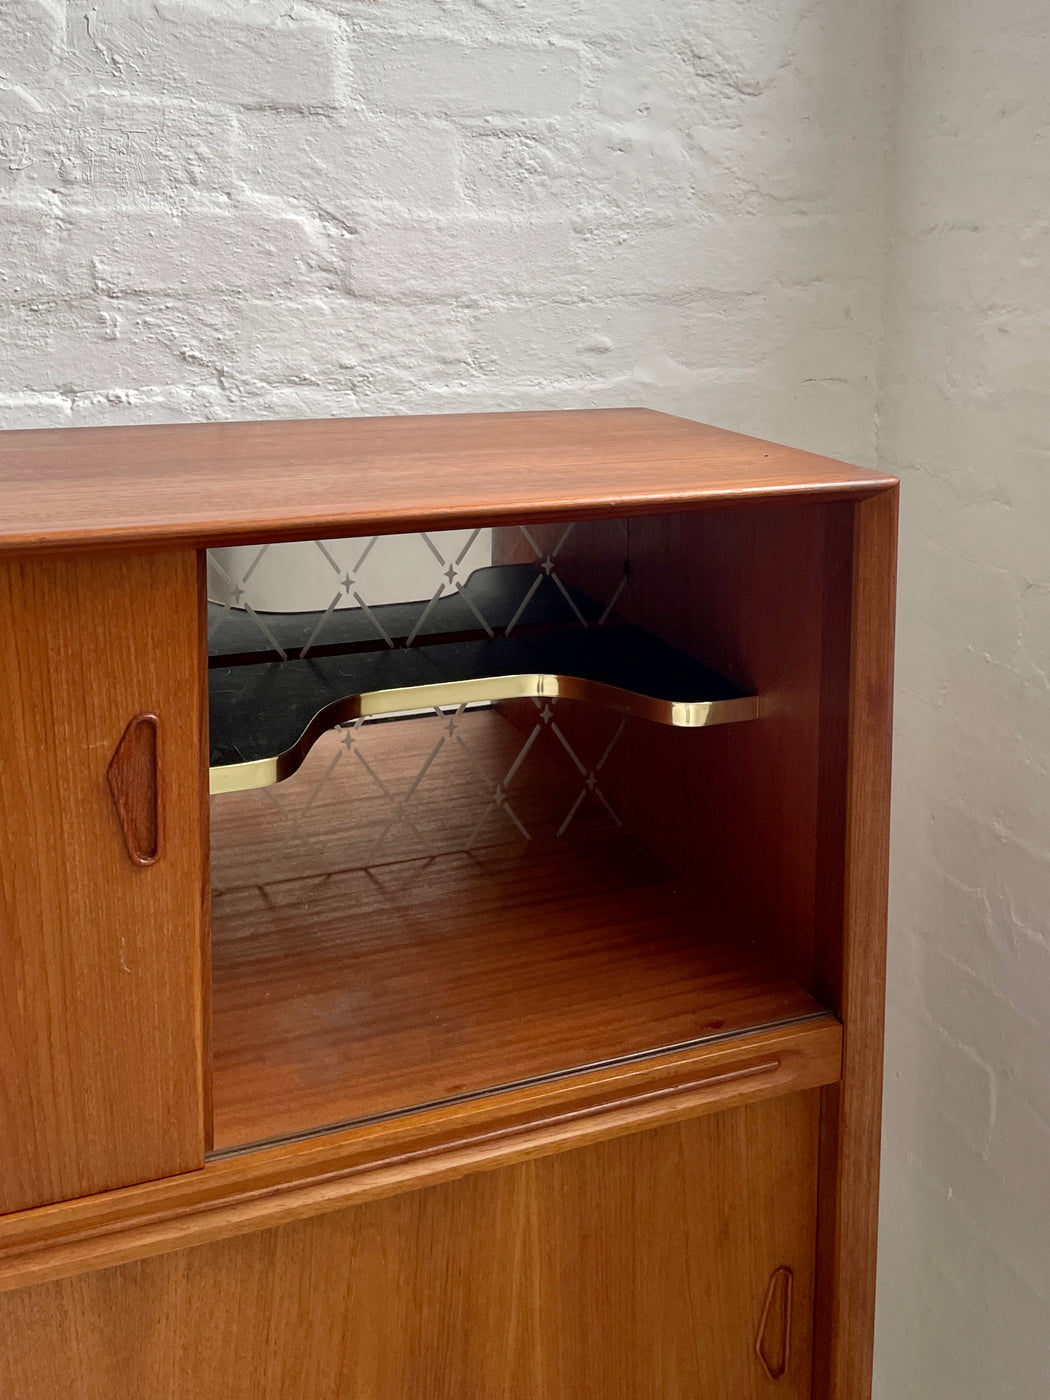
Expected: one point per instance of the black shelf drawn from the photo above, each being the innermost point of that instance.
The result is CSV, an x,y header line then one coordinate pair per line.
x,y
273,712
267,712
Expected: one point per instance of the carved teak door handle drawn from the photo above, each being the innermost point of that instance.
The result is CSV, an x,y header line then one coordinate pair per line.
x,y
773,1343
134,784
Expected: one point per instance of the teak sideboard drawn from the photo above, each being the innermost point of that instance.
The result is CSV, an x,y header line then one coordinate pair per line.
x,y
467,992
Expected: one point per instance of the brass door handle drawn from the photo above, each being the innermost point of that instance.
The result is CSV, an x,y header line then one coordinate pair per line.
x,y
134,784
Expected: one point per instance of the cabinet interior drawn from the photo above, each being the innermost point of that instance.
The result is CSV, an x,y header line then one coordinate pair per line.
x,y
502,804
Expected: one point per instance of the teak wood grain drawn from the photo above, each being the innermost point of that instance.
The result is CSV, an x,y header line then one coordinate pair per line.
x,y
341,994
789,813
748,591
299,1180
851,1118
638,1267
221,483
100,961
134,777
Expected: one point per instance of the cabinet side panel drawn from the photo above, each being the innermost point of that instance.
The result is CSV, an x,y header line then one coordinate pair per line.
x,y
652,1265
100,957
850,1128
759,592
744,589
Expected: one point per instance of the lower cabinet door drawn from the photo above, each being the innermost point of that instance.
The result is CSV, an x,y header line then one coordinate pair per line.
x,y
671,1264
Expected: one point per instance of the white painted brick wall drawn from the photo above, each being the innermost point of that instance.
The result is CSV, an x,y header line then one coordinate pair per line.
x,y
452,78
965,1263
231,208
31,39
219,51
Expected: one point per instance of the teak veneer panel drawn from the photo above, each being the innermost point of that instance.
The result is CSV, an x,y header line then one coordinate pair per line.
x,y
751,590
220,483
796,602
856,966
100,959
637,1267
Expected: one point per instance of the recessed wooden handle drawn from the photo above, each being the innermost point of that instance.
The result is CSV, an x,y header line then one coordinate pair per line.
x,y
134,783
773,1343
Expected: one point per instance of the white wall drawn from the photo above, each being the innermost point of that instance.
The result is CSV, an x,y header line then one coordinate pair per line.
x,y
214,208
965,1265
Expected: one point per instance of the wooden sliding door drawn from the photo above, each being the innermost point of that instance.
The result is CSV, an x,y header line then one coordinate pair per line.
x,y
670,1264
102,874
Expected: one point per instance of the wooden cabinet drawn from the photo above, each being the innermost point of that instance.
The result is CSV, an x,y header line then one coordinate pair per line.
x,y
642,1265
511,1023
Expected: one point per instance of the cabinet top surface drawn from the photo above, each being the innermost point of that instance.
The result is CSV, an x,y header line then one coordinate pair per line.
x,y
220,483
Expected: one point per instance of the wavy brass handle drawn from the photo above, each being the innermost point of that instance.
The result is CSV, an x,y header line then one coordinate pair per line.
x,y
134,784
